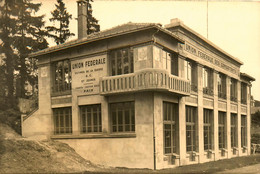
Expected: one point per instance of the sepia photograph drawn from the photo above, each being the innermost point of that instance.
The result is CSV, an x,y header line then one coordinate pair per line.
x,y
129,86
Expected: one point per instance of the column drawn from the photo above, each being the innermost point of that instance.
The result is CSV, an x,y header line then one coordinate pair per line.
x,y
200,114
248,120
75,113
215,91
182,130
229,153
239,118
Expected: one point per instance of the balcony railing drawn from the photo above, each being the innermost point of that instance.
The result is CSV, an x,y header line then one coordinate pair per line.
x,y
222,95
208,91
148,79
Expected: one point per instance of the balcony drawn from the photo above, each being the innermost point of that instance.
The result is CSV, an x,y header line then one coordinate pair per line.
x,y
145,80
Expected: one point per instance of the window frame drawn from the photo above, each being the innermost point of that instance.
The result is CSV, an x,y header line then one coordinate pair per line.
x,y
222,86
174,127
131,124
114,60
233,90
207,78
62,114
222,126
243,93
60,86
233,130
208,128
86,117
243,131
192,122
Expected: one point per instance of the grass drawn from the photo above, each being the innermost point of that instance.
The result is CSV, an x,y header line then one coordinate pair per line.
x,y
209,167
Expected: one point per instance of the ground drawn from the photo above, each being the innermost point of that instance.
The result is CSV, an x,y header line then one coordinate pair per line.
x,y
20,155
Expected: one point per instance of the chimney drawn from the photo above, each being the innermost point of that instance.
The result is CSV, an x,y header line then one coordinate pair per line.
x,y
82,18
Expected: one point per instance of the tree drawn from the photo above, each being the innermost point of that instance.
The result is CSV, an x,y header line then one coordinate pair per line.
x,y
29,37
20,34
7,30
61,33
92,22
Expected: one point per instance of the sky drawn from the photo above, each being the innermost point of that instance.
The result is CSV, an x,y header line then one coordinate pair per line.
x,y
234,26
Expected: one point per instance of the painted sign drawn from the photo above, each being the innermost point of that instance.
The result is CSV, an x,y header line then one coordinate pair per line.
x,y
86,73
209,58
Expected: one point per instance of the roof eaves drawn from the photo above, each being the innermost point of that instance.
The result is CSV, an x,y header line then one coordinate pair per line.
x,y
205,40
247,76
78,42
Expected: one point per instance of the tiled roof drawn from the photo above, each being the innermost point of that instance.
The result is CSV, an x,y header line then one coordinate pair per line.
x,y
118,30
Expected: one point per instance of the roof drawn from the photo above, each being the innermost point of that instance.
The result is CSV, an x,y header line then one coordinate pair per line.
x,y
115,31
178,23
247,76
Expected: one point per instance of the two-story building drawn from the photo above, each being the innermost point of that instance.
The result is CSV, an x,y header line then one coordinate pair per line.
x,y
140,95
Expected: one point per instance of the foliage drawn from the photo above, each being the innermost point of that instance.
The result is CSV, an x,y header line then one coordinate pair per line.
x,y
255,119
11,117
62,33
92,22
20,34
255,138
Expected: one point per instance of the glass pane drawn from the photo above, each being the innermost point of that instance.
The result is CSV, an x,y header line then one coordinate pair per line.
x,y
119,63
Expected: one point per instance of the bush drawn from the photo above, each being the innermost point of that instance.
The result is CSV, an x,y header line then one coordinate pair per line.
x,y
11,117
255,138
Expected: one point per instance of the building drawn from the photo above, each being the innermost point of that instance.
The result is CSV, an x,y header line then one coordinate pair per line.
x,y
143,96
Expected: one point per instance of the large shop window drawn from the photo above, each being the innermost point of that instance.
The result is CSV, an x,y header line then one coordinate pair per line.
x,y
191,129
233,90
121,61
207,76
243,93
208,126
191,74
170,127
123,117
233,126
90,118
62,76
243,131
221,130
222,86
62,120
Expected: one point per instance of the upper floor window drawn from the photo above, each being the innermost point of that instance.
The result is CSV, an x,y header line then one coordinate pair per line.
x,y
207,77
170,127
243,93
62,76
121,61
222,86
62,120
191,74
233,90
174,64
123,116
90,118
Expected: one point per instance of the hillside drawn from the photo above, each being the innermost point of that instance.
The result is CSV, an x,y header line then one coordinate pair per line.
x,y
19,155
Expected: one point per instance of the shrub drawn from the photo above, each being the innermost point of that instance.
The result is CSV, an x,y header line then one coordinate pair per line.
x,y
11,117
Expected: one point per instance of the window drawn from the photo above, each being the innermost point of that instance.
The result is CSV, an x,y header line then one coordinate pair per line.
x,y
221,130
207,81
90,118
121,61
62,76
190,74
174,64
123,117
222,86
62,120
233,126
243,131
243,93
170,119
166,57
191,133
207,120
233,90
